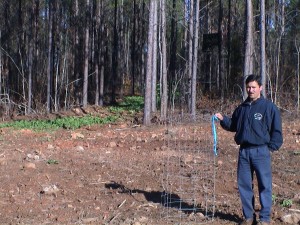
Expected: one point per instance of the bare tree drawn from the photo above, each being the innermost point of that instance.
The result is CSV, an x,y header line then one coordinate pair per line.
x,y
50,58
281,31
102,52
133,47
297,46
154,55
77,56
220,50
195,59
190,52
97,30
30,59
263,46
164,85
148,84
114,56
249,44
86,57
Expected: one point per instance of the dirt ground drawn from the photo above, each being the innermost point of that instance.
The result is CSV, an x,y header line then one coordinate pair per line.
x,y
111,174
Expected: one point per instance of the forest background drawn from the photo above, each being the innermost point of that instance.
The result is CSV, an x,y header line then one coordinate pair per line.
x,y
55,55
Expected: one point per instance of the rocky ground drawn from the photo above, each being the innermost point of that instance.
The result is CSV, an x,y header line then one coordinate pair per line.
x,y
112,174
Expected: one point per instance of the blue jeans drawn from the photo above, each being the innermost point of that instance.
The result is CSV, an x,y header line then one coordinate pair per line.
x,y
258,160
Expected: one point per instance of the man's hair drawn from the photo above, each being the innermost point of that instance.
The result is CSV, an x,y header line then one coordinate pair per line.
x,y
252,78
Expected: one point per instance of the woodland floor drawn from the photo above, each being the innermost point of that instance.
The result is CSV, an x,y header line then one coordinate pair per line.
x,y
111,174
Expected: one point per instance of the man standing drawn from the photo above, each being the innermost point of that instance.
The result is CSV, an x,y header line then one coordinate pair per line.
x,y
258,128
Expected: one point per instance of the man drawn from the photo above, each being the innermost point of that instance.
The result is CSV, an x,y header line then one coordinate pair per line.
x,y
258,128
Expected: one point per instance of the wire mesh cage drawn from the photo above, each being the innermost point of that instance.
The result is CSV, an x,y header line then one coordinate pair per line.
x,y
189,172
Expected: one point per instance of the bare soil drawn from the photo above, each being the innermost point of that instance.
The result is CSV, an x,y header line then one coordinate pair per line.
x,y
111,174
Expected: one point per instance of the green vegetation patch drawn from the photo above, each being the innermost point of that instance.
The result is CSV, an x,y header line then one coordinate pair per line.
x,y
66,123
130,104
52,161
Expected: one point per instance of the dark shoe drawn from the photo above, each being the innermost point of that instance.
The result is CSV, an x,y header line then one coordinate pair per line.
x,y
247,222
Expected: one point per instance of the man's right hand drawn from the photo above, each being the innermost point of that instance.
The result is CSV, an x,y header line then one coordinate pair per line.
x,y
219,116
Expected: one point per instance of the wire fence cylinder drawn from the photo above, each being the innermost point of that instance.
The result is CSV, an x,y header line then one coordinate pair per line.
x,y
189,171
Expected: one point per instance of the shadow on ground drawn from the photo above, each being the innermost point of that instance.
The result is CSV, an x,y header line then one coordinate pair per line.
x,y
172,201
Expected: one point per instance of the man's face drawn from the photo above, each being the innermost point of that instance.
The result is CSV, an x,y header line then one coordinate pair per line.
x,y
253,90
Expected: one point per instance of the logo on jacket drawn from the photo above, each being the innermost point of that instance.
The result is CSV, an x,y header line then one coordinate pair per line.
x,y
258,116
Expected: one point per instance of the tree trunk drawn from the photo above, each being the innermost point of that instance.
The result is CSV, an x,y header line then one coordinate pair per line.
x,y
50,59
102,59
114,57
281,31
263,46
1,63
133,48
298,74
173,43
86,57
195,60
147,95
228,44
220,50
77,58
190,53
154,60
249,45
164,86
30,65
97,30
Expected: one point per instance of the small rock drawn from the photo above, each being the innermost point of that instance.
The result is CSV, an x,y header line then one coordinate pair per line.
x,y
3,162
297,196
29,165
77,135
133,148
291,218
164,148
50,147
148,189
49,190
201,215
112,144
89,220
29,156
80,148
143,219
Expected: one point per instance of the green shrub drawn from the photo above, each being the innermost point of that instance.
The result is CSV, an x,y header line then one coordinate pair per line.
x,y
133,103
286,203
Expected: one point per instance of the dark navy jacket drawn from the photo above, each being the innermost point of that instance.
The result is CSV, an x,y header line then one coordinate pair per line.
x,y
257,123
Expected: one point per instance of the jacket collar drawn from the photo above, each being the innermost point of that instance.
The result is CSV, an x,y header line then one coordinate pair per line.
x,y
248,102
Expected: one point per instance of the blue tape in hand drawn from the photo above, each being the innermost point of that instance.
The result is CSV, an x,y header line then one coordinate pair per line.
x,y
214,132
